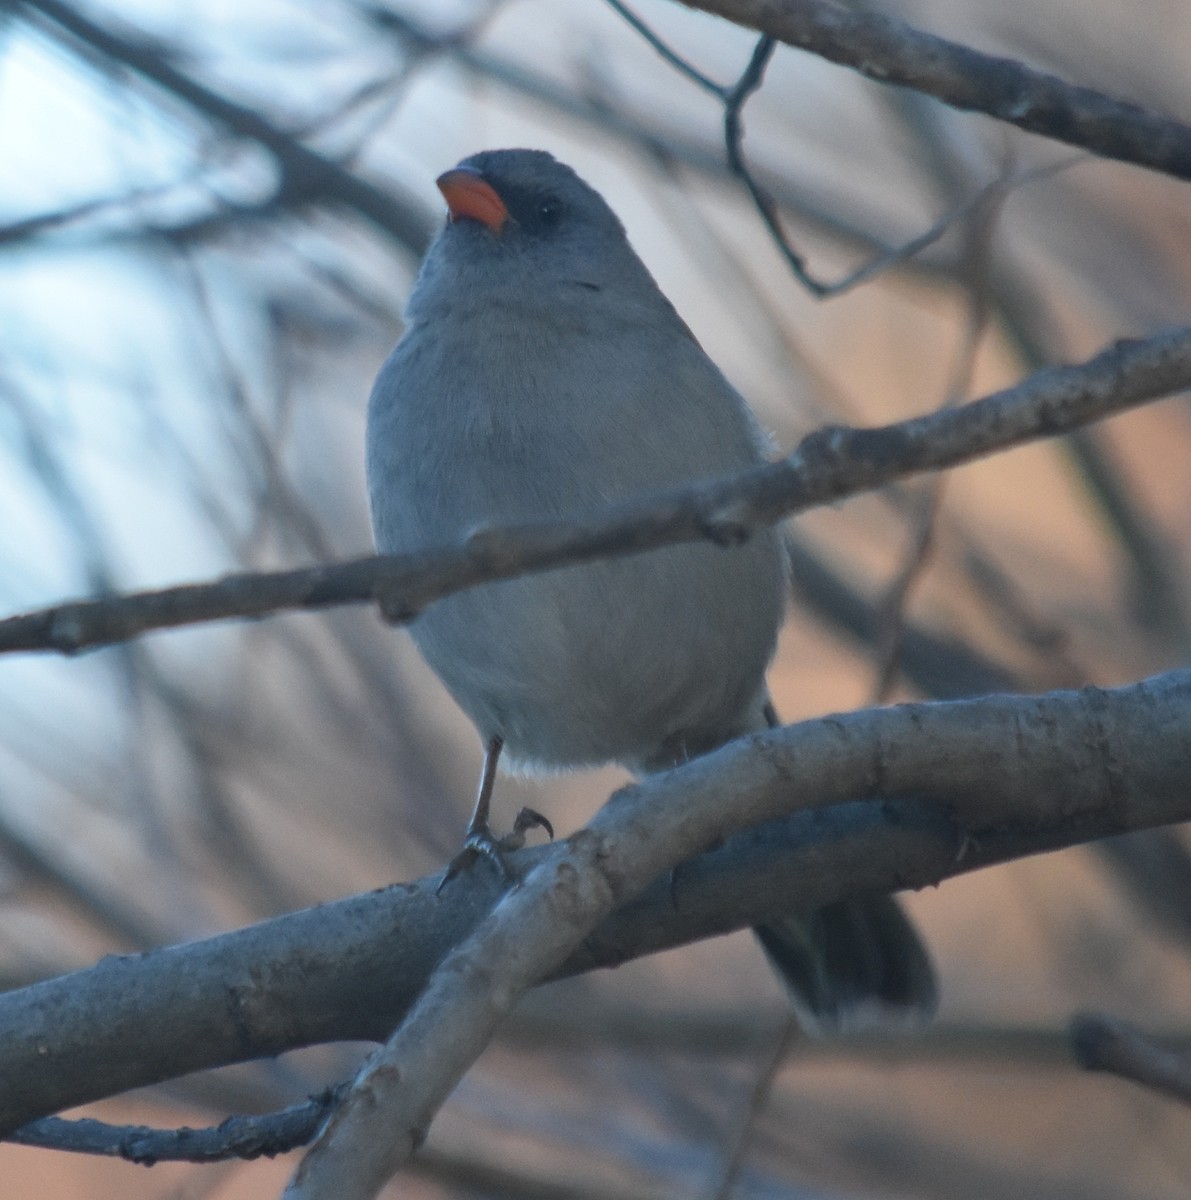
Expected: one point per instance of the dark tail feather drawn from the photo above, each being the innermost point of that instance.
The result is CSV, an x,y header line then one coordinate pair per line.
x,y
856,964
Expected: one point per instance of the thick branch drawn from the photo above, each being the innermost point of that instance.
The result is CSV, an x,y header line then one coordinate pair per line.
x,y
641,833
967,784
827,466
890,51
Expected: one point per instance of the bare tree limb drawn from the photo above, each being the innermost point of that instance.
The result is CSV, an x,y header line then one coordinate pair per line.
x,y
643,831
890,51
976,782
828,465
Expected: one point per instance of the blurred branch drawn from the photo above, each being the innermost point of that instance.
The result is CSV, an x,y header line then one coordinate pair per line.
x,y
306,176
890,51
566,1017
1155,869
17,233
1154,586
724,1182
99,907
541,1023
976,782
924,507
1104,1043
938,666
828,465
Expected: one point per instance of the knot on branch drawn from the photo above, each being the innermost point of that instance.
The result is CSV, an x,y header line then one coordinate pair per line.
x,y
729,524
856,453
66,631
487,547
394,603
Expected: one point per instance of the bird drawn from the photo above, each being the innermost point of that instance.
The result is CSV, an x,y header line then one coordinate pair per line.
x,y
542,374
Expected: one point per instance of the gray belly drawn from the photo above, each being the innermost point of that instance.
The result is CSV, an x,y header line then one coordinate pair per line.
x,y
613,661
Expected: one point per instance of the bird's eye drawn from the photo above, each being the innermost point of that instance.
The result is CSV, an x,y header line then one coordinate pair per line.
x,y
549,210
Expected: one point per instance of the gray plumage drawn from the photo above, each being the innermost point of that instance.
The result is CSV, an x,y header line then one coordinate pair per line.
x,y
542,375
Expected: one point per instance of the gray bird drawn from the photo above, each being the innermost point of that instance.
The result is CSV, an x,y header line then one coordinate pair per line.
x,y
543,375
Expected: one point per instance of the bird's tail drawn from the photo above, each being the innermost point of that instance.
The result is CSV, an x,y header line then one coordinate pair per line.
x,y
856,964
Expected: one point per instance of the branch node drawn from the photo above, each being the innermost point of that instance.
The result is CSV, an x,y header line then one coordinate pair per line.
x,y
487,547
731,524
394,605
67,631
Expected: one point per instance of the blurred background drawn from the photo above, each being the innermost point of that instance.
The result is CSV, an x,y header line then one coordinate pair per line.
x,y
192,309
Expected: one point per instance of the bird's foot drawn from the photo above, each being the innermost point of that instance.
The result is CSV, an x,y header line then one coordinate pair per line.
x,y
481,842
526,819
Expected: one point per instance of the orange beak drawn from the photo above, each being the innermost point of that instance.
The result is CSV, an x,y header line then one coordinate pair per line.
x,y
468,195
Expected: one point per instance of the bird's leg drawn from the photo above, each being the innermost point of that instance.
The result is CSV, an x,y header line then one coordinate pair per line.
x,y
480,841
478,825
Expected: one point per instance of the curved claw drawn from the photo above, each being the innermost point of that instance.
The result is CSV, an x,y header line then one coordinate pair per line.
x,y
482,843
527,819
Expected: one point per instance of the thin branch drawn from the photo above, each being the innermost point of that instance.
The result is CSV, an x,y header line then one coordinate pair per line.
x,y
1104,1043
938,666
306,175
977,782
680,64
725,1181
667,145
1155,582
734,97
828,465
888,50
925,506
27,229
245,1137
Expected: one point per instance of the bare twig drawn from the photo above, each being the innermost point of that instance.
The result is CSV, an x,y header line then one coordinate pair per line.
x,y
725,1181
680,64
734,97
236,1137
731,1034
891,607
890,51
828,465
927,504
